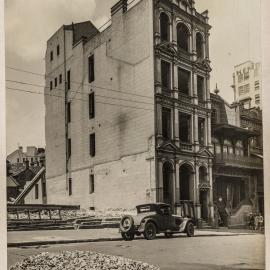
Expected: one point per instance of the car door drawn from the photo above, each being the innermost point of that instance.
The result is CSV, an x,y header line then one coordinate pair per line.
x,y
167,220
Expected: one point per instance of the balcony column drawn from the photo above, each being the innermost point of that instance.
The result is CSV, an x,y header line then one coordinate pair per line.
x,y
157,75
160,181
208,131
197,192
207,89
174,32
193,44
194,86
157,26
158,121
177,183
207,35
196,130
211,202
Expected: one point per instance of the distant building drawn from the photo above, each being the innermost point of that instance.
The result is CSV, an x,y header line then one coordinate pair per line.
x,y
238,160
35,156
247,84
21,169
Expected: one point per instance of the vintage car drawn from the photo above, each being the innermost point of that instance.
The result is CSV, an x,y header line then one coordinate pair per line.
x,y
152,219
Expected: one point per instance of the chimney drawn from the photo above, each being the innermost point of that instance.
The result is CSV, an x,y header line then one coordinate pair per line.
x,y
120,5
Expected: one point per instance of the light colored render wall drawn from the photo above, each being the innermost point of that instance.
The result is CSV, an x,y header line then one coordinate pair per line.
x,y
123,135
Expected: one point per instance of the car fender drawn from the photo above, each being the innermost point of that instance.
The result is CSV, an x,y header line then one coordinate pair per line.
x,y
141,228
183,225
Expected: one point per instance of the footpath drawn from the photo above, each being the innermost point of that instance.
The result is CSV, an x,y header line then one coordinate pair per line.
x,y
38,238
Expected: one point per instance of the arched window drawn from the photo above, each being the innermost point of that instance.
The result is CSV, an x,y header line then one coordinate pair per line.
x,y
199,45
182,37
164,27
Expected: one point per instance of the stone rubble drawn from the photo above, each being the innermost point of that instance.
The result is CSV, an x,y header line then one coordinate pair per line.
x,y
79,260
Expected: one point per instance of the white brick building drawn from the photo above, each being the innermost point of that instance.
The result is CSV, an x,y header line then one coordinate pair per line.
x,y
247,84
128,112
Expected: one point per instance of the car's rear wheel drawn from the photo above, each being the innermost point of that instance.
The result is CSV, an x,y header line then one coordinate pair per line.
x,y
150,231
190,229
129,236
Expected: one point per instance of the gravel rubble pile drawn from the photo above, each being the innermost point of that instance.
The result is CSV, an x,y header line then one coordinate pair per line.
x,y
79,260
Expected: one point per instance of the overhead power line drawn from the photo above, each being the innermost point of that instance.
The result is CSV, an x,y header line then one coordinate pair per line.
x,y
80,92
105,103
84,84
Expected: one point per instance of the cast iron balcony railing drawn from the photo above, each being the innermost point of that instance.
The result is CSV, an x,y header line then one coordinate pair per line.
x,y
238,161
184,97
185,146
166,91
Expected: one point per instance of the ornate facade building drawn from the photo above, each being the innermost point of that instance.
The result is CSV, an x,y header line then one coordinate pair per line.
x,y
128,112
183,106
238,161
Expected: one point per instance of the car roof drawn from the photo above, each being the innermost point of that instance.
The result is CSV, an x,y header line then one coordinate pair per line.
x,y
153,204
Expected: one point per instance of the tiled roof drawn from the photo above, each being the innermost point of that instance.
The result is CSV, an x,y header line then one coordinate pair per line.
x,y
11,182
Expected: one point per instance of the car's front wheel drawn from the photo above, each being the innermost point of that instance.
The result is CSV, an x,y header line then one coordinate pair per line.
x,y
150,231
190,229
129,236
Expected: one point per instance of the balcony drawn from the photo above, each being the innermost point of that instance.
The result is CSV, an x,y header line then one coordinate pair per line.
x,y
166,91
184,97
231,160
185,146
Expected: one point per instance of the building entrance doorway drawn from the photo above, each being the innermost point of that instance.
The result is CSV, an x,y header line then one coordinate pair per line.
x,y
185,184
168,189
204,204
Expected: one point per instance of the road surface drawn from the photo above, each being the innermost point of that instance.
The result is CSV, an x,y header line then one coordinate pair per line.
x,y
179,252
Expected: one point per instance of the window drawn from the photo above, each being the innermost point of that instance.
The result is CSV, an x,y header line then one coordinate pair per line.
x,y
243,89
246,75
91,68
200,87
92,145
182,37
32,160
69,148
183,81
58,49
240,77
199,45
60,78
201,130
257,85
91,105
164,27
68,80
18,160
69,112
23,159
184,128
91,184
36,191
55,82
166,123
165,75
51,56
51,85
257,99
44,190
70,186
214,116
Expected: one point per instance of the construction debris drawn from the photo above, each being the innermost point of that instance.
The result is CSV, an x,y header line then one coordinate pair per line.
x,y
80,260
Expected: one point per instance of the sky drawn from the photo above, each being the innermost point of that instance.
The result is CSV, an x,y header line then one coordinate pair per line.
x,y
234,38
